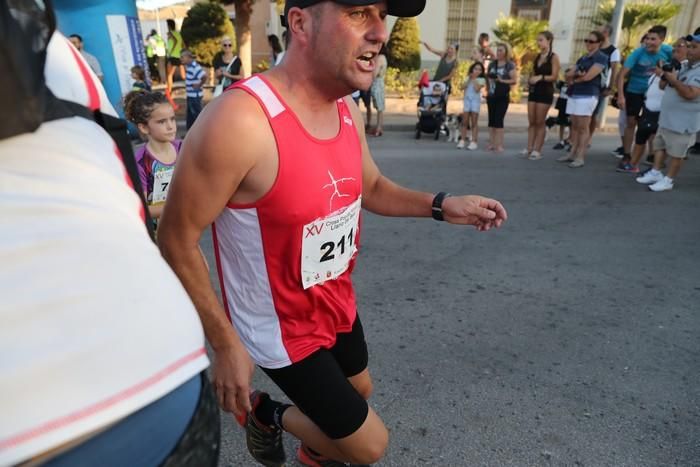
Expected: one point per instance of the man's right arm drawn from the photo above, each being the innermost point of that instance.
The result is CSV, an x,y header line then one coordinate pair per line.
x,y
209,170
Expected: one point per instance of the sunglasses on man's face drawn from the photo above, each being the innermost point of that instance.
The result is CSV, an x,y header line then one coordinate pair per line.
x,y
227,45
589,41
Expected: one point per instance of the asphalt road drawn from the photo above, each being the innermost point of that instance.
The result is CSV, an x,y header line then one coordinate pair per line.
x,y
570,337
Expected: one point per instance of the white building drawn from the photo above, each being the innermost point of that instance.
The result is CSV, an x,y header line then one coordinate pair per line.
x,y
461,21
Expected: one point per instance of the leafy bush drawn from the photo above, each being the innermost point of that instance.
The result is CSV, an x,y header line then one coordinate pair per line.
x,y
402,83
204,26
403,49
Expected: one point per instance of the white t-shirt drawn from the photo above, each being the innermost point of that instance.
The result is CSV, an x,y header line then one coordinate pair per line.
x,y
93,324
654,95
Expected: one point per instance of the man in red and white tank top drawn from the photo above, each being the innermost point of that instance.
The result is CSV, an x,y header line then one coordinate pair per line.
x,y
279,166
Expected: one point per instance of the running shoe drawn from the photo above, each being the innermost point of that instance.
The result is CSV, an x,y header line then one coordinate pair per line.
x,y
626,167
576,164
560,145
535,156
473,146
650,177
665,184
460,145
264,442
306,457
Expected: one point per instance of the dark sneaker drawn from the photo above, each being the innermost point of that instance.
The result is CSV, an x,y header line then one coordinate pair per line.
x,y
620,151
306,457
264,442
560,145
626,167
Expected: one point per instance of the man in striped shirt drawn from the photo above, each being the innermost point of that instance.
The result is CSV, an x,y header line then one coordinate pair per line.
x,y
195,77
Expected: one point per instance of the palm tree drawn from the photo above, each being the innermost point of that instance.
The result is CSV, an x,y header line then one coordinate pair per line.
x,y
520,33
638,16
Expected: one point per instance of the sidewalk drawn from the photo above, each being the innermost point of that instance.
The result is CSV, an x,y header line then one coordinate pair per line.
x,y
401,115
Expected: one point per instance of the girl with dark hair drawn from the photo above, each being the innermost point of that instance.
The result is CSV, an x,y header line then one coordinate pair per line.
x,y
545,73
155,118
472,88
584,88
277,52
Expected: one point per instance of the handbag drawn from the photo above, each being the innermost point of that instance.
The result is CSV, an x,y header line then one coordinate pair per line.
x,y
219,89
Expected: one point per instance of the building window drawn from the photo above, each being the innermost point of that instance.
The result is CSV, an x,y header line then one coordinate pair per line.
x,y
531,9
461,24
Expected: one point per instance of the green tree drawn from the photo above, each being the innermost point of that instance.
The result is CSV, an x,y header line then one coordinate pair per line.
x,y
520,33
202,29
403,50
637,18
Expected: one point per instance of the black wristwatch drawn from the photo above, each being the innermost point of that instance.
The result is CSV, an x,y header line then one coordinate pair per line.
x,y
437,205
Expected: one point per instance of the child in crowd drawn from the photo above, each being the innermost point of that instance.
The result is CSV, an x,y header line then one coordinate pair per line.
x,y
138,74
472,88
155,118
562,118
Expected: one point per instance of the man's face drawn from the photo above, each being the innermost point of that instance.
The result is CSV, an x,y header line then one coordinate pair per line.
x,y
346,41
76,43
694,51
652,42
185,59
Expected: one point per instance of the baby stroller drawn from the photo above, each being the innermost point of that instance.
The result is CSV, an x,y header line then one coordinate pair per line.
x,y
432,109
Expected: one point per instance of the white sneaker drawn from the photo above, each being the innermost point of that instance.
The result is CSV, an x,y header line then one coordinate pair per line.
x,y
524,153
460,145
651,177
473,146
665,184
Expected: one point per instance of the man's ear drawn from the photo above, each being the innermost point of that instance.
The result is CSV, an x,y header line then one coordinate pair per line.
x,y
299,24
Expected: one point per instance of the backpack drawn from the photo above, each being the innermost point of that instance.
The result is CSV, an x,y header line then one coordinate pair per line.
x,y
25,31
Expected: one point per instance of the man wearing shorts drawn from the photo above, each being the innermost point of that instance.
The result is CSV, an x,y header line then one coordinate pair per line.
x,y
679,120
285,214
639,66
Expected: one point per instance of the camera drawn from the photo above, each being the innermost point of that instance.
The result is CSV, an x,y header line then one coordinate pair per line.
x,y
671,66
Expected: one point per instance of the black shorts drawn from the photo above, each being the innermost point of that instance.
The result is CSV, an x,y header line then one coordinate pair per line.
x,y
319,386
174,61
633,103
647,126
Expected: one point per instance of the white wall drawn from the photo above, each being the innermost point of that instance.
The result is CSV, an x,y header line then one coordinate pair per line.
x,y
433,27
489,12
562,23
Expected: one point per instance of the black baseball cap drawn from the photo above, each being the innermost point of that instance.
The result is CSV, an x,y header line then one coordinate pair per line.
x,y
400,8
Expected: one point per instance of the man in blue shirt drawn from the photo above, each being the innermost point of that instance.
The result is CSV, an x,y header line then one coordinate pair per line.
x,y
639,66
195,77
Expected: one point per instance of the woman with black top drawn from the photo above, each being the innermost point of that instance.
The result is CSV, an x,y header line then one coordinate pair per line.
x,y
227,65
501,76
545,72
448,64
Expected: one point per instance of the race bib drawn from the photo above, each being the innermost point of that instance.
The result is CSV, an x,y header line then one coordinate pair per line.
x,y
329,244
161,183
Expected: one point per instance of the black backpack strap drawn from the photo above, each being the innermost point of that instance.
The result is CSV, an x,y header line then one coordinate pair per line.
x,y
116,128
